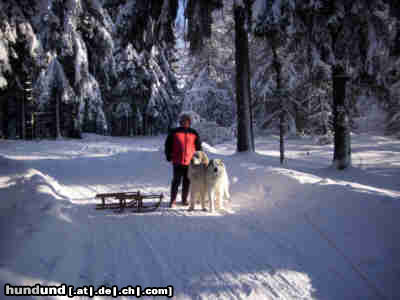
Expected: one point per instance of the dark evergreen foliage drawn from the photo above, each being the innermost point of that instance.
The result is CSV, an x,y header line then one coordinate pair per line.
x,y
87,57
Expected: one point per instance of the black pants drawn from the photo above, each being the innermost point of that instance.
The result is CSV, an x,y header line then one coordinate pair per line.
x,y
180,174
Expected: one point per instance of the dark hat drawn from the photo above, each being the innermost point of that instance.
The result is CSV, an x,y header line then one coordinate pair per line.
x,y
184,117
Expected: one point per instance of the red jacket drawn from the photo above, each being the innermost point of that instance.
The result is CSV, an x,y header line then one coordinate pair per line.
x,y
181,144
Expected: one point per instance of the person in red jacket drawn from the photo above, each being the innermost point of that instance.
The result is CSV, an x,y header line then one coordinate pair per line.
x,y
180,145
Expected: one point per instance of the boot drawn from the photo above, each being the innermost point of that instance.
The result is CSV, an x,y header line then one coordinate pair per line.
x,y
174,193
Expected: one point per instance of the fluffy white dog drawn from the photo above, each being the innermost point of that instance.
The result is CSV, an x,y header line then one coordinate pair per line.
x,y
197,176
217,183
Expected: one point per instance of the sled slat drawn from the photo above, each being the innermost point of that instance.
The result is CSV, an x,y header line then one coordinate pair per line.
x,y
135,201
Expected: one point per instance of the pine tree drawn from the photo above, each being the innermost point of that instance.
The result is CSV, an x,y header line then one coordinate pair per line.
x,y
209,74
340,34
199,18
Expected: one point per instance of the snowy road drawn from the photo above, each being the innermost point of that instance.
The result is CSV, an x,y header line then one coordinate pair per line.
x,y
302,231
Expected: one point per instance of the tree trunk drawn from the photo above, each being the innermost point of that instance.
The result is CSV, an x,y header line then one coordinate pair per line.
x,y
282,136
58,119
324,121
134,125
128,130
144,125
395,12
282,116
5,118
342,149
253,146
245,140
130,122
23,121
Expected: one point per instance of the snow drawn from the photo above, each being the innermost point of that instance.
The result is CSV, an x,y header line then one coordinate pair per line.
x,y
51,78
301,230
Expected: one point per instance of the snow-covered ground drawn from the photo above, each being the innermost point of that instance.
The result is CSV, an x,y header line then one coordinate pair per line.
x,y
299,231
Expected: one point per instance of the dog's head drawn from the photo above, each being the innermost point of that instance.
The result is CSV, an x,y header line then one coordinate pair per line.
x,y
199,157
216,166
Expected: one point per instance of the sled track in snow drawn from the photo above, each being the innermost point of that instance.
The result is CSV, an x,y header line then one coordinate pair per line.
x,y
269,281
333,245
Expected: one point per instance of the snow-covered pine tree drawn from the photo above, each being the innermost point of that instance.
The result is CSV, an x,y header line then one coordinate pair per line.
x,y
274,26
208,75
144,55
391,75
86,38
302,76
199,15
347,35
164,92
357,32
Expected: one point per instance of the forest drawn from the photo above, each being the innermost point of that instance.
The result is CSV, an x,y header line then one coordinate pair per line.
x,y
128,68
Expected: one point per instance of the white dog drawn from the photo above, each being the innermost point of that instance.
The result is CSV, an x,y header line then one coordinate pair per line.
x,y
197,176
217,183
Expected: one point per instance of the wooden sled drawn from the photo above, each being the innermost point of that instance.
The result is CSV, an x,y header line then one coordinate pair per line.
x,y
132,200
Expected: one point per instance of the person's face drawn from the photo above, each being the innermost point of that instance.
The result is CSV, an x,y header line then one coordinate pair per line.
x,y
185,123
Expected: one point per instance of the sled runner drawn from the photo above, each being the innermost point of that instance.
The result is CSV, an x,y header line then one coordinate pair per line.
x,y
133,200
